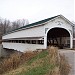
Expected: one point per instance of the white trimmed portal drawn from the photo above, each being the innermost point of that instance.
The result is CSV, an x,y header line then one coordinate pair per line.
x,y
69,33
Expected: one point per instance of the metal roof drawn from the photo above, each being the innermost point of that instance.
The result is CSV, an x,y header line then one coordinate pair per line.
x,y
36,24
32,25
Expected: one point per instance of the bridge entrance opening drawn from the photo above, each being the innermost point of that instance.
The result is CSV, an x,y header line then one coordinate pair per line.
x,y
59,37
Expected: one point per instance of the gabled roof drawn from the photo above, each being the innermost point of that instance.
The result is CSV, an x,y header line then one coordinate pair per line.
x,y
37,24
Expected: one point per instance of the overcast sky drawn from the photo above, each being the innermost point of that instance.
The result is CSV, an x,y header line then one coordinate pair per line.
x,y
35,10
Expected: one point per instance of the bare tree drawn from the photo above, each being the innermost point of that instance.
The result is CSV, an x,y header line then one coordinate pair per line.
x,y
19,23
6,25
15,25
23,22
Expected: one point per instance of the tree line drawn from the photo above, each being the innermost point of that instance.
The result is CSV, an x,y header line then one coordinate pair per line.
x,y
7,26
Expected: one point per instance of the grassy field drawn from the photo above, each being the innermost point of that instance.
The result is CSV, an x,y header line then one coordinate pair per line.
x,y
43,63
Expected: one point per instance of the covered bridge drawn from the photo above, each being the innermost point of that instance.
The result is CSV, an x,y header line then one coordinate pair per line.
x,y
57,31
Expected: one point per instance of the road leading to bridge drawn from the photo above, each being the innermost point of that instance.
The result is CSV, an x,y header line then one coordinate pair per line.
x,y
70,54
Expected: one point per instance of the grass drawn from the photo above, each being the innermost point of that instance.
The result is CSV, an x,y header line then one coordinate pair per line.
x,y
39,56
64,66
36,63
42,65
14,61
41,70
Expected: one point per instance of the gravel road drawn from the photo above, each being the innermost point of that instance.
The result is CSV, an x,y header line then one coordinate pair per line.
x,y
70,55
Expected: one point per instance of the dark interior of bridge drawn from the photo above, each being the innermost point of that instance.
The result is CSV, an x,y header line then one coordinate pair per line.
x,y
56,34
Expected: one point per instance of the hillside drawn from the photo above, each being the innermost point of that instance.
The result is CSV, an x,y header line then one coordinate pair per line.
x,y
45,62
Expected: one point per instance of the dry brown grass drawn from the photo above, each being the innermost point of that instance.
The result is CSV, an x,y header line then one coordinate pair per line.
x,y
54,60
55,71
15,61
64,65
25,67
61,67
53,55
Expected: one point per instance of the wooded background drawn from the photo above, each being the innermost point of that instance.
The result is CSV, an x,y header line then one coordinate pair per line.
x,y
7,26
